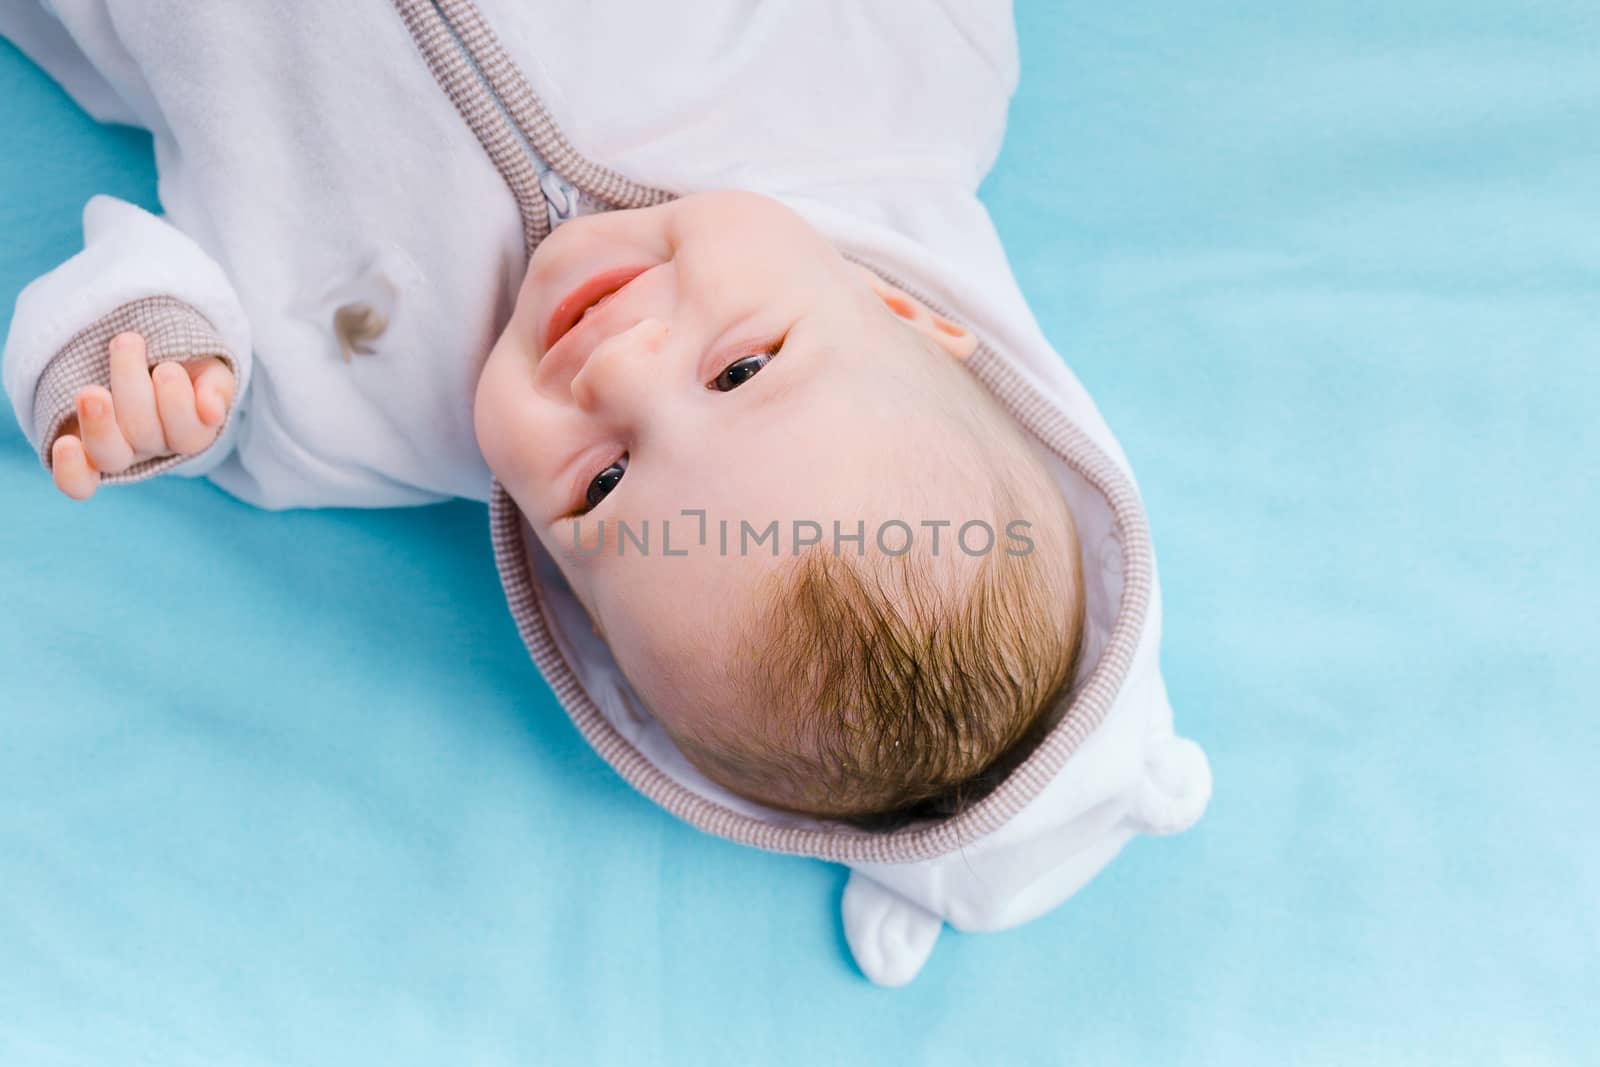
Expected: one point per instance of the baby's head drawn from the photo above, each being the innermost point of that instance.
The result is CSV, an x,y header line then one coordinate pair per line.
x,y
820,552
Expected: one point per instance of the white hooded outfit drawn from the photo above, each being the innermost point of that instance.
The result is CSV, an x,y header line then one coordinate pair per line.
x,y
351,195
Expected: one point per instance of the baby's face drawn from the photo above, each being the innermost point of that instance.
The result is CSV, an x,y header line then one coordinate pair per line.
x,y
740,367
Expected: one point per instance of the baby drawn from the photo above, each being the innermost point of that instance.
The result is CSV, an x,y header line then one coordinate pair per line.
x,y
810,530
716,352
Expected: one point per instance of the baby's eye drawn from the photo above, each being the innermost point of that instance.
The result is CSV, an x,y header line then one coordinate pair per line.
x,y
605,481
740,371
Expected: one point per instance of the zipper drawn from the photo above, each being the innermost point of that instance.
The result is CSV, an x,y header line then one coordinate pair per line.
x,y
492,95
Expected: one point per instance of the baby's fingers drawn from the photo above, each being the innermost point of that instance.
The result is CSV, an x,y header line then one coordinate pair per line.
x,y
100,435
213,389
73,473
175,402
134,396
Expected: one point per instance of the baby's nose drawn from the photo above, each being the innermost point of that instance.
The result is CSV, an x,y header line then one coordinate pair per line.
x,y
621,367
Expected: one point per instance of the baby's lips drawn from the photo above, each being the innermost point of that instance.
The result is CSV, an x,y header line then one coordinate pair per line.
x,y
572,308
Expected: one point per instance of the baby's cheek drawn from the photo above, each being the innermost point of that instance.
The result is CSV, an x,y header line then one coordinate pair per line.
x,y
500,422
674,659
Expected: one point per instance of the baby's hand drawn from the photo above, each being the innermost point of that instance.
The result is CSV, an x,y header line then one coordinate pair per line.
x,y
148,412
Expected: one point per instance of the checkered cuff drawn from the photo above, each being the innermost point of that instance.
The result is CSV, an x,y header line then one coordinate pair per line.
x,y
171,330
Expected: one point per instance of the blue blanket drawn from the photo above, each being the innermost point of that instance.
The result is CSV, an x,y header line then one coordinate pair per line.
x,y
285,789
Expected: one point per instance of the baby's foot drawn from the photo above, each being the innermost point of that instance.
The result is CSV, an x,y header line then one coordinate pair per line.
x,y
175,407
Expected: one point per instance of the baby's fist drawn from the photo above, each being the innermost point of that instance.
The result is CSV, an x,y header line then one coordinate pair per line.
x,y
147,412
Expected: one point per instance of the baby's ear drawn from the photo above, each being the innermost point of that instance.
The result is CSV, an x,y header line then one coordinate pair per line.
x,y
953,337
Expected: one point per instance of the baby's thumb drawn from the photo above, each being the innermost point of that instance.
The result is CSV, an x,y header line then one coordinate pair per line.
x,y
213,391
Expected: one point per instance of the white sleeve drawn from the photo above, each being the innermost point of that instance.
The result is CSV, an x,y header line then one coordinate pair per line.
x,y
991,29
136,272
40,36
990,32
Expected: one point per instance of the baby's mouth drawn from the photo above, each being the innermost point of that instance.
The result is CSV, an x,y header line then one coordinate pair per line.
x,y
584,299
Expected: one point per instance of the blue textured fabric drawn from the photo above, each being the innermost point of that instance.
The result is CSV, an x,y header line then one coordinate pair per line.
x,y
284,788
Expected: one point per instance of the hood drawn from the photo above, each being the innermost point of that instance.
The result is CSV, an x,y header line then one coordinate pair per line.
x,y
1110,767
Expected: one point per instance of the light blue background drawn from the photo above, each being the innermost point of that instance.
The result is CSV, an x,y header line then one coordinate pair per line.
x,y
285,789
